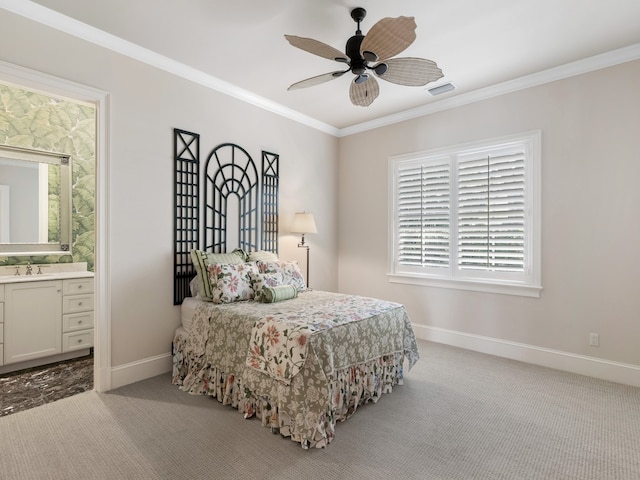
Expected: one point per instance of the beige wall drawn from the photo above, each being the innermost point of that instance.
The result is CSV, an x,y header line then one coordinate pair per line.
x,y
590,205
145,105
590,166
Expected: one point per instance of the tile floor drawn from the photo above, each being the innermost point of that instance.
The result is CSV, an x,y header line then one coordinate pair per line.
x,y
36,386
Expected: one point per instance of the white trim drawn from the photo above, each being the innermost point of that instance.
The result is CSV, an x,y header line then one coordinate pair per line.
x,y
71,26
141,370
618,372
489,286
53,19
50,85
5,213
579,67
525,283
102,365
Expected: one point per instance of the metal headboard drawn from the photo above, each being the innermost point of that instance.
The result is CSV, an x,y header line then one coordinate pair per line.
x,y
229,171
270,184
186,206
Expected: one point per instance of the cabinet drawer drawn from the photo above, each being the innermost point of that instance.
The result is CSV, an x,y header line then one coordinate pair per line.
x,y
1,293
72,286
77,303
1,312
73,322
1,354
77,340
1,335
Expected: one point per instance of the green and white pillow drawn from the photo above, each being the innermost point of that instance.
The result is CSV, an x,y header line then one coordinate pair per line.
x,y
279,293
201,260
263,255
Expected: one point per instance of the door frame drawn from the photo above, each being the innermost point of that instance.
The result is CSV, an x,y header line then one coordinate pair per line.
x,y
50,85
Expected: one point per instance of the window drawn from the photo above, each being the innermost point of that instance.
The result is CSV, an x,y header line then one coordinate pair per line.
x,y
468,216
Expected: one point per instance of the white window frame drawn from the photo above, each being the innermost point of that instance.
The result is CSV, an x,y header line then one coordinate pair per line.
x,y
525,283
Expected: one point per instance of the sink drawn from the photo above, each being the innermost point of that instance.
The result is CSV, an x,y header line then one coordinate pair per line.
x,y
43,276
52,271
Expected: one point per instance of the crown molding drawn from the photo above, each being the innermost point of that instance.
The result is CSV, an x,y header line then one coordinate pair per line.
x,y
597,62
58,21
68,25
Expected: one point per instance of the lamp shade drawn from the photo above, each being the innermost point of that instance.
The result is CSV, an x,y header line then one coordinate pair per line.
x,y
303,222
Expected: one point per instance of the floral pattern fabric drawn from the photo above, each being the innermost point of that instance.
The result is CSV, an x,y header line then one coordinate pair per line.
x,y
259,280
279,342
289,269
278,348
231,283
347,365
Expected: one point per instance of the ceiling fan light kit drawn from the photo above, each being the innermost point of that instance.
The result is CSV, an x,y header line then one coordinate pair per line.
x,y
372,52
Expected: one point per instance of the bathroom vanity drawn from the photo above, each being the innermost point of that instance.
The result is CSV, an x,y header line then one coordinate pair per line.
x,y
45,315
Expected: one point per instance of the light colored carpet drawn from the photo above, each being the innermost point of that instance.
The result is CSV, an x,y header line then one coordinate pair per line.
x,y
460,415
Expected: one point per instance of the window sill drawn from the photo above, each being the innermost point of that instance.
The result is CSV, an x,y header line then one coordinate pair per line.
x,y
501,288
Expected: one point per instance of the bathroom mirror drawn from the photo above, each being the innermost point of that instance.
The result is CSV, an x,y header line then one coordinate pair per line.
x,y
35,202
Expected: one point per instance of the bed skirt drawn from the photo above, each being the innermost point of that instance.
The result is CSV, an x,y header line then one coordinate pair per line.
x,y
255,394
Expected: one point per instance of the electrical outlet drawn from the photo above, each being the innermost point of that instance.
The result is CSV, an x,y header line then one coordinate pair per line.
x,y
594,339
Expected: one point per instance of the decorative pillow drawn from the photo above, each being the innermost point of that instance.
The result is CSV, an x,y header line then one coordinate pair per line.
x,y
291,274
201,261
279,293
242,253
263,255
194,286
259,280
231,282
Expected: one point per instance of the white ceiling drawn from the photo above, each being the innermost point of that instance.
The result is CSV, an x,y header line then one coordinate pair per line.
x,y
477,43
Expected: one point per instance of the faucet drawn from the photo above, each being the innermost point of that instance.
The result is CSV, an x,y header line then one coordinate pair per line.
x,y
29,269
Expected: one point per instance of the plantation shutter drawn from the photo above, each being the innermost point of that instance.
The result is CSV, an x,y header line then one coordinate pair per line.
x,y
491,212
423,215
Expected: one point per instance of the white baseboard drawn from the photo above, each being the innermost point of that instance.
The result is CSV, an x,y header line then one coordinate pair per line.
x,y
140,370
570,362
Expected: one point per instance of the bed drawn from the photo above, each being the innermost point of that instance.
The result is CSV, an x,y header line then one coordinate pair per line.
x,y
252,335
355,350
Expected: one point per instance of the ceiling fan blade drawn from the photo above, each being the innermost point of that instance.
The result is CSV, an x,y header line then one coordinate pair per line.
x,y
363,94
388,37
310,82
317,48
411,71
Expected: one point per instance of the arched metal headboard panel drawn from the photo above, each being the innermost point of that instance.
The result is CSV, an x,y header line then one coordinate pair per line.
x,y
230,171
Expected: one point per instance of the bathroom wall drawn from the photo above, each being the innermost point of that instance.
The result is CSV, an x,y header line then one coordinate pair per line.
x,y
36,121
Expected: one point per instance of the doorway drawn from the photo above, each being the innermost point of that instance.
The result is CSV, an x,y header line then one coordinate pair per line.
x,y
60,89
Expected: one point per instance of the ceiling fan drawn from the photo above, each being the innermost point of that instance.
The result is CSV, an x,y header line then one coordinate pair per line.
x,y
372,53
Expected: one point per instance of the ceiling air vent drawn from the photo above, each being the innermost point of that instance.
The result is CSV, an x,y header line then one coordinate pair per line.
x,y
440,89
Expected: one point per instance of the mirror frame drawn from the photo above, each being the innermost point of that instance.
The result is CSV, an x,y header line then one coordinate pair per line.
x,y
63,247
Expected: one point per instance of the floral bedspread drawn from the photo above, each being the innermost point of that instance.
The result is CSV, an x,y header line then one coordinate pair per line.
x,y
347,351
279,341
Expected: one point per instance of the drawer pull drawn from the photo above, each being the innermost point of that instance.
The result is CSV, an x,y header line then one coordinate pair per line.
x,y
79,340
79,287
79,322
79,304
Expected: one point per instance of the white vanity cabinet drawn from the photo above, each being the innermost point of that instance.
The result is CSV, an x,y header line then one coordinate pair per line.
x,y
33,320
77,314
45,320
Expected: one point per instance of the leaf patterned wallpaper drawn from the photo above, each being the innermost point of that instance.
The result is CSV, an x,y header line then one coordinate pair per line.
x,y
33,120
